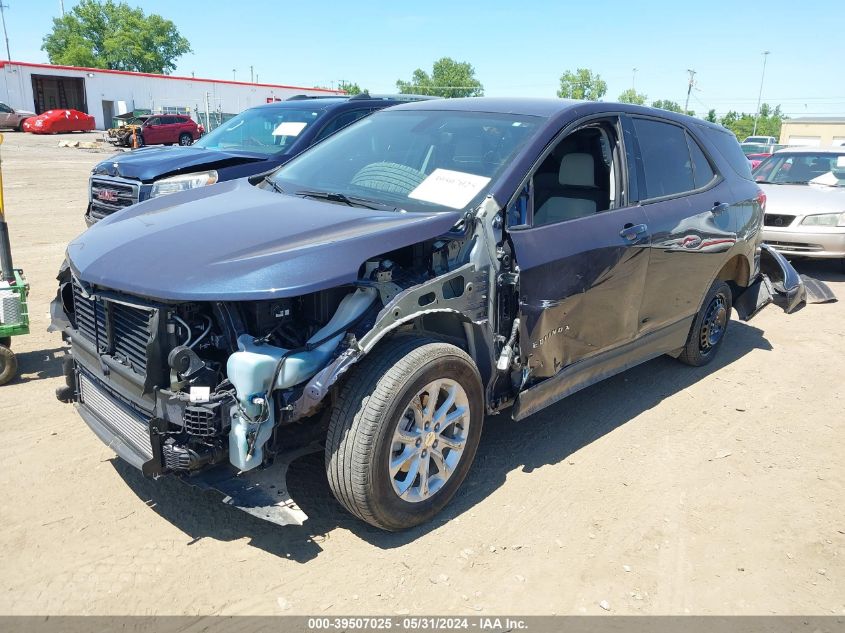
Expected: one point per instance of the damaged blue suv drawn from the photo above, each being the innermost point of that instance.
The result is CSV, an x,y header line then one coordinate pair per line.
x,y
427,266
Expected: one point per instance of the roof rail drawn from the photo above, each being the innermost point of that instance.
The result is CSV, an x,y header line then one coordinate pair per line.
x,y
393,97
303,96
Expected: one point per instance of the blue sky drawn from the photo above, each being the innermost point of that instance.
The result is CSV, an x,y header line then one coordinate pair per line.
x,y
517,48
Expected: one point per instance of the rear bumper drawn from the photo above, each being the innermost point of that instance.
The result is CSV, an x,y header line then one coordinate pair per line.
x,y
797,242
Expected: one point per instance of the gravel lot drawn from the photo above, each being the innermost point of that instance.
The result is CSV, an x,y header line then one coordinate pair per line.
x,y
666,489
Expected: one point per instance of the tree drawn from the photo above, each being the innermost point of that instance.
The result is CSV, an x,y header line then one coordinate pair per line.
x,y
711,116
665,104
108,34
350,88
632,96
581,84
768,123
448,78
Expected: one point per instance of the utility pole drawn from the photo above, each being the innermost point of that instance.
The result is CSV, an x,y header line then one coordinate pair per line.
x,y
234,70
5,34
689,88
62,7
760,94
634,79
251,75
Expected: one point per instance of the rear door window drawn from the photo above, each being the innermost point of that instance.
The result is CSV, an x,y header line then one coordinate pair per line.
x,y
341,121
666,158
702,171
729,148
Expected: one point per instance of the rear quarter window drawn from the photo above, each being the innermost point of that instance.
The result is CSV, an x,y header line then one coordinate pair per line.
x,y
729,148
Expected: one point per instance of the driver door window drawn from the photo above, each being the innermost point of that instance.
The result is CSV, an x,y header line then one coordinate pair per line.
x,y
579,178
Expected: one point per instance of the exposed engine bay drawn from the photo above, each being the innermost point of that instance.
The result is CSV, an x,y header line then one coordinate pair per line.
x,y
223,381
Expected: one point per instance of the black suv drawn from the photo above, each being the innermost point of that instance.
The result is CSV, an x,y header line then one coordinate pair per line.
x,y
257,140
429,265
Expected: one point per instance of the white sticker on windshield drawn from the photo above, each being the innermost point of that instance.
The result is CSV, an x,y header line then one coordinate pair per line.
x,y
840,161
450,188
289,128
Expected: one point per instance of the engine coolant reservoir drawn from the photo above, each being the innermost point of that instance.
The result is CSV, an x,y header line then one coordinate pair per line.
x,y
251,369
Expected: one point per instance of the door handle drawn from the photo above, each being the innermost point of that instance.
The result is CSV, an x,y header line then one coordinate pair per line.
x,y
632,231
719,208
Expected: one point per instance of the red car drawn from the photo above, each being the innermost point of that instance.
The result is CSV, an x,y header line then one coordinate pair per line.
x,y
756,159
55,121
156,129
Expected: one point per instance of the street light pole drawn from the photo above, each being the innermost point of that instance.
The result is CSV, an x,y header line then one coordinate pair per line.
x,y
634,79
5,34
760,94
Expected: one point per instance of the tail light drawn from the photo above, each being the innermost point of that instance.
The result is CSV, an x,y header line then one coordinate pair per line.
x,y
761,200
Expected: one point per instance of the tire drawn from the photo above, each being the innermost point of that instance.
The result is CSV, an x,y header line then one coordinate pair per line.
x,y
709,327
8,365
6,342
140,141
185,139
389,177
20,126
377,396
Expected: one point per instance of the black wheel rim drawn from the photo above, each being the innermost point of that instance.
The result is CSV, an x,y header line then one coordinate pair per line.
x,y
713,325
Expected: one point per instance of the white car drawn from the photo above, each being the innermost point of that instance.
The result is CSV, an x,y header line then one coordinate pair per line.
x,y
762,140
805,201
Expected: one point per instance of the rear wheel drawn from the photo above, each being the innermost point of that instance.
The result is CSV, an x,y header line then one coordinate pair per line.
x,y
708,329
404,432
20,126
6,341
185,139
8,365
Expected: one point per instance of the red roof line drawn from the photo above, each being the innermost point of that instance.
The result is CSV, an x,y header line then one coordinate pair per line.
x,y
3,63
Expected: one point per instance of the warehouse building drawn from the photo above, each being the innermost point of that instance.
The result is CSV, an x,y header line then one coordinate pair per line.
x,y
105,94
822,131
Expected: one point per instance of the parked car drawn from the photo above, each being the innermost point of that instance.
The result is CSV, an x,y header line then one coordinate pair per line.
x,y
805,214
257,140
12,117
762,140
59,121
424,267
155,129
756,159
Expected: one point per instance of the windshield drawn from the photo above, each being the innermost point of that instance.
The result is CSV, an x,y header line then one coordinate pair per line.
x,y
261,130
411,159
801,168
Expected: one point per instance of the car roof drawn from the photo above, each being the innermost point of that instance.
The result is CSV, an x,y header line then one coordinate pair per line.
x,y
804,149
547,107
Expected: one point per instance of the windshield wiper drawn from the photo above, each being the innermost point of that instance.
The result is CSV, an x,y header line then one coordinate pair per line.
x,y
331,196
273,184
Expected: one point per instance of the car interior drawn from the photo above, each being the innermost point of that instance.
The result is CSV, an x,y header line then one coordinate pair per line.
x,y
577,178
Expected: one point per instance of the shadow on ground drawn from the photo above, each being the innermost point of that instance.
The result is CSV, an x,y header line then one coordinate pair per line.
x,y
547,437
38,365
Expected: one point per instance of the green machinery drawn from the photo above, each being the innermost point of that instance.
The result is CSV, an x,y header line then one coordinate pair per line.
x,y
14,314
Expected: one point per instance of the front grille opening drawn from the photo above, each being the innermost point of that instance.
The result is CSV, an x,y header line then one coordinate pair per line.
x,y
120,330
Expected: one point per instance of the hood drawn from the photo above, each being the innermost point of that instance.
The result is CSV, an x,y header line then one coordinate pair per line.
x,y
803,199
150,163
235,242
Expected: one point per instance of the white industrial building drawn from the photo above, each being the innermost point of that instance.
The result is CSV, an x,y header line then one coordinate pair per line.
x,y
107,93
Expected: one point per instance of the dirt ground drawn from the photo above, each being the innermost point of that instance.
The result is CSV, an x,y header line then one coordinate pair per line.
x,y
667,489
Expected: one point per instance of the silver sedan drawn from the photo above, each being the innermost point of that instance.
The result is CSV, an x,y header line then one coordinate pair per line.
x,y
805,201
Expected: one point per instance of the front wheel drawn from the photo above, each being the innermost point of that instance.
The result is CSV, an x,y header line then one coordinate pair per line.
x,y
709,327
404,432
